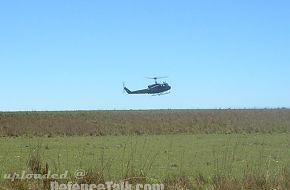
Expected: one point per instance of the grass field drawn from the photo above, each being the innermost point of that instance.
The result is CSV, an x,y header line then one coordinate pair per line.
x,y
194,149
101,123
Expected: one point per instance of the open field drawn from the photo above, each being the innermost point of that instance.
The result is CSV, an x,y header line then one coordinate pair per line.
x,y
193,149
188,155
100,123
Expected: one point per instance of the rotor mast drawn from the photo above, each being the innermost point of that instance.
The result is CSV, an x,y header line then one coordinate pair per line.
x,y
155,78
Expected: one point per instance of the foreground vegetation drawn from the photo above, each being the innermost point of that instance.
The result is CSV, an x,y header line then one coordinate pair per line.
x,y
197,160
184,149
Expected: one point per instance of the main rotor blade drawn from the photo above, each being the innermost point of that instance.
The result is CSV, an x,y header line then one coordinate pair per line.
x,y
156,77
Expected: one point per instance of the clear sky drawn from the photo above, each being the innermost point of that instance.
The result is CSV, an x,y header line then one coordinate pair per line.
x,y
75,54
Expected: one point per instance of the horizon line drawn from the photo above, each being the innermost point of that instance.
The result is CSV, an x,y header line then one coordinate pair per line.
x,y
153,109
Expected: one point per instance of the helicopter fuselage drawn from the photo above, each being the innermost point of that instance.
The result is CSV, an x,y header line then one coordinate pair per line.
x,y
152,89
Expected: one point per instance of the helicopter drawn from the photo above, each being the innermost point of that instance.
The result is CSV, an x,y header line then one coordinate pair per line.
x,y
154,89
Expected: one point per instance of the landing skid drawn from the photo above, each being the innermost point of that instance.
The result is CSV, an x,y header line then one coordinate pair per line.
x,y
161,94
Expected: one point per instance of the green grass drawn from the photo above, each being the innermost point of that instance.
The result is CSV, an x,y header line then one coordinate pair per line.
x,y
191,149
169,155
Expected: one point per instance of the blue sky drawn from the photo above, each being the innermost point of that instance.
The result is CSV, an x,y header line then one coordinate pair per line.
x,y
72,55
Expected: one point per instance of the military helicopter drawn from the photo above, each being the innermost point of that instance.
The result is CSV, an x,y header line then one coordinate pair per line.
x,y
154,89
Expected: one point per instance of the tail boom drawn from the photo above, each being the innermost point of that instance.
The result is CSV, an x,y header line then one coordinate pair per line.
x,y
127,90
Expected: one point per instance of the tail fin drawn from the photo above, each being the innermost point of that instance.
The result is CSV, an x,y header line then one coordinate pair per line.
x,y
127,90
